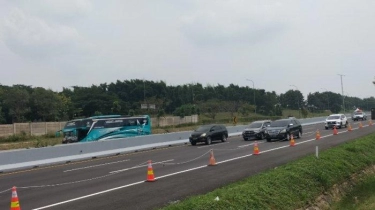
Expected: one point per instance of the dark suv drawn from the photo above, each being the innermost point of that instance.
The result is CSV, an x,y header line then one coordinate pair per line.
x,y
256,130
209,133
282,129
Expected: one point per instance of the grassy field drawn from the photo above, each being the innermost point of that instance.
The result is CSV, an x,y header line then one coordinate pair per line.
x,y
362,197
25,141
297,185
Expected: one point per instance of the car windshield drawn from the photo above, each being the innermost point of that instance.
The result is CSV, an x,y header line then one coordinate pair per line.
x,y
279,123
203,128
255,125
358,113
333,117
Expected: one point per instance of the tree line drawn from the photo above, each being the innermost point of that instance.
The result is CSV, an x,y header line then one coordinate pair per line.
x,y
21,103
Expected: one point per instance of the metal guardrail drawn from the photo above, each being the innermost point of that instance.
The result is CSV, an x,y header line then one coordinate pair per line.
x,y
24,158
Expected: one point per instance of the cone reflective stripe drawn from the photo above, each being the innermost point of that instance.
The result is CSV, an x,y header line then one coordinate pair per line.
x,y
150,172
14,203
256,149
212,161
335,131
349,127
292,143
317,135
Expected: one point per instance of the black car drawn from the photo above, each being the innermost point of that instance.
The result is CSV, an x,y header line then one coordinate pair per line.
x,y
256,130
209,133
282,129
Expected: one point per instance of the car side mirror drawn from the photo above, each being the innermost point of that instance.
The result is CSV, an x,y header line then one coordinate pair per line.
x,y
211,130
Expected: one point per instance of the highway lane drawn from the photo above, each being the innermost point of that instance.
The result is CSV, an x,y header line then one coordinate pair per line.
x,y
123,176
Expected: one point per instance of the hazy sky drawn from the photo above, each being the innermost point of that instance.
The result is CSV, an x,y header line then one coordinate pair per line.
x,y
276,44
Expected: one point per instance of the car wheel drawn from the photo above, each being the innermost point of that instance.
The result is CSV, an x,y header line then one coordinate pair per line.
x,y
223,138
299,134
326,128
340,125
208,141
268,140
245,139
193,143
261,136
346,124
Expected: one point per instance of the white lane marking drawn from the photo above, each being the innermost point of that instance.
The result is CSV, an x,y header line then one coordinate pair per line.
x,y
93,166
179,172
247,145
213,145
139,166
90,195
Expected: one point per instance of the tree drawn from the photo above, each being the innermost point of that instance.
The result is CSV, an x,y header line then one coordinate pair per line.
x,y
45,104
335,108
246,109
17,101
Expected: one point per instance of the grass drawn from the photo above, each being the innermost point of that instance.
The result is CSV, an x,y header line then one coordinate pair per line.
x,y
292,186
362,197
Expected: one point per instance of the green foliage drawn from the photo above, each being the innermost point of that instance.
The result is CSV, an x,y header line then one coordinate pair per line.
x,y
131,112
335,108
20,103
246,109
291,186
304,112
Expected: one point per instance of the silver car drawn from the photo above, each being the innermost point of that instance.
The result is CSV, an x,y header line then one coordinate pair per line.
x,y
359,115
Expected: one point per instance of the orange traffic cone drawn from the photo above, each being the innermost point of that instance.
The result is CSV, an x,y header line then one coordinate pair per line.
x,y
292,143
14,203
349,127
335,131
317,136
212,161
370,122
150,173
360,125
256,148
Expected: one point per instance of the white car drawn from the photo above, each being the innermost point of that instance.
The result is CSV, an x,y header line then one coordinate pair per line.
x,y
337,120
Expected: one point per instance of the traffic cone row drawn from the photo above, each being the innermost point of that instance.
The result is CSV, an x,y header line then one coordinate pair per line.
x,y
292,142
14,203
349,127
150,172
212,161
335,132
317,136
256,149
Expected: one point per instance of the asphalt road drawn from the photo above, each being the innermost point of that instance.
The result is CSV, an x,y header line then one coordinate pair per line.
x,y
118,182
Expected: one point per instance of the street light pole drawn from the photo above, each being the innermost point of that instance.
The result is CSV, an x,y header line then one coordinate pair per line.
x,y
342,92
255,109
299,109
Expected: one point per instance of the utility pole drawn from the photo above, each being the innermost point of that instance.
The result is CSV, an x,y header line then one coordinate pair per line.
x,y
342,92
255,109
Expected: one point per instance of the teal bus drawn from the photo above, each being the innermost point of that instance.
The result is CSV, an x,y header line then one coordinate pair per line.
x,y
118,127
105,127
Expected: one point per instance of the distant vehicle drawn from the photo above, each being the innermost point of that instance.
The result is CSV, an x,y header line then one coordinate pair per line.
x,y
338,120
81,129
118,127
283,129
359,115
209,133
256,130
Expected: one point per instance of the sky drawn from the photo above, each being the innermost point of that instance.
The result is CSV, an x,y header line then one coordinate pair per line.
x,y
277,44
